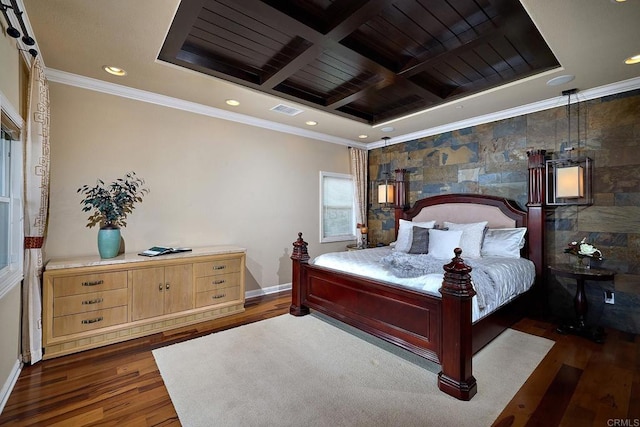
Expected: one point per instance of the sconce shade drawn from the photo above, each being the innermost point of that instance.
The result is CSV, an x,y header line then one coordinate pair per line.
x,y
385,192
570,182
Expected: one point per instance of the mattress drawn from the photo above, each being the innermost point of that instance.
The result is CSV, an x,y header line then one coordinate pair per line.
x,y
497,280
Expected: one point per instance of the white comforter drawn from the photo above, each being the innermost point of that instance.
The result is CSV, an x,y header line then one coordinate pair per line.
x,y
497,280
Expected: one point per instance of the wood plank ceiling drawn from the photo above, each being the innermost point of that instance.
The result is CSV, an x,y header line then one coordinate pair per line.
x,y
368,60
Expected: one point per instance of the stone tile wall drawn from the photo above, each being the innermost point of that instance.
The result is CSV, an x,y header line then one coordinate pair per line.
x,y
491,159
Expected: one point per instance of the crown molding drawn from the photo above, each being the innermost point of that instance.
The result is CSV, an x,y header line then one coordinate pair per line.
x,y
584,95
70,79
75,80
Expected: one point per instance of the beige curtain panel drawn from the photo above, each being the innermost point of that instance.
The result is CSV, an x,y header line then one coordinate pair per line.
x,y
359,167
36,199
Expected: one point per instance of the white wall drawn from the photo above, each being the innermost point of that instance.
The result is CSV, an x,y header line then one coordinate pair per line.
x,y
212,181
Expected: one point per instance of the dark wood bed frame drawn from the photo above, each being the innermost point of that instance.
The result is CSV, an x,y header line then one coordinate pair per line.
x,y
438,329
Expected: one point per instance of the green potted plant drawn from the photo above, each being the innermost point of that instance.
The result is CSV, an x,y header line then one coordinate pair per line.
x,y
110,205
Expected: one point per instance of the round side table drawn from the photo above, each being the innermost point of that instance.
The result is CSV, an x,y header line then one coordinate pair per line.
x,y
580,275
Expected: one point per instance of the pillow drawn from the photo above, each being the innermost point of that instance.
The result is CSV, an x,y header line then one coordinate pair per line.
x,y
472,235
420,242
442,243
503,242
405,233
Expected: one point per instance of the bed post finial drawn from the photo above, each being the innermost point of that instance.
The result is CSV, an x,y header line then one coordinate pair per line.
x,y
300,249
457,277
456,378
299,256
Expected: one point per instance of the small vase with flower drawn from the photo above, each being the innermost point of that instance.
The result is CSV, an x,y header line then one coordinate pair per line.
x,y
583,252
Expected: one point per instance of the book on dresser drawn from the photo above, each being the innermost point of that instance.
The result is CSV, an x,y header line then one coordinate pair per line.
x,y
162,250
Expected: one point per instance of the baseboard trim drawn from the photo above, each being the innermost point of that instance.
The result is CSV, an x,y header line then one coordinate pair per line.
x,y
8,385
267,291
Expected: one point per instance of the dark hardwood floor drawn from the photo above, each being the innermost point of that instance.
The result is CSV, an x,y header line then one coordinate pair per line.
x,y
579,383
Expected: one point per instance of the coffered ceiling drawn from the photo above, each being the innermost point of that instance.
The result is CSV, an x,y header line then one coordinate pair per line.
x,y
396,68
369,61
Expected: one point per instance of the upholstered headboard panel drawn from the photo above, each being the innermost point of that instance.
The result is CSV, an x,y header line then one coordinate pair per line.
x,y
465,213
466,208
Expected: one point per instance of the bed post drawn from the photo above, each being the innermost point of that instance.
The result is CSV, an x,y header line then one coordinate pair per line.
x,y
400,197
456,378
536,226
299,256
535,206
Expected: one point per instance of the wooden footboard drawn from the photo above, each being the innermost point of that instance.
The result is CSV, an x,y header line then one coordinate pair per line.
x,y
412,320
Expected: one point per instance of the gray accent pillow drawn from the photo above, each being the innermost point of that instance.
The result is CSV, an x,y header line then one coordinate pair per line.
x,y
420,242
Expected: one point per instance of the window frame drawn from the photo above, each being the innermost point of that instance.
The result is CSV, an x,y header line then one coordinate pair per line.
x,y
342,237
13,273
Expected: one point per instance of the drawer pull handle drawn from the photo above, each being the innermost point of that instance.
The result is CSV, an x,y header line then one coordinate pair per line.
x,y
160,287
218,282
93,283
219,296
88,321
167,286
93,301
219,267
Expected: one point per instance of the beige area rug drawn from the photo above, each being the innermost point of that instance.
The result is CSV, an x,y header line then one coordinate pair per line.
x,y
305,371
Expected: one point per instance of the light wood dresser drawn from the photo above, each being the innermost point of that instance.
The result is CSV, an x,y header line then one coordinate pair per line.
x,y
89,302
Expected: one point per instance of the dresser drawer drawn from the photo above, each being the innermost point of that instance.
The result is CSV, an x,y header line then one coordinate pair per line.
x,y
222,266
74,323
83,303
218,296
219,281
88,283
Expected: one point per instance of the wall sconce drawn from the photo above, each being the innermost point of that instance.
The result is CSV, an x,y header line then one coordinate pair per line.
x,y
385,188
569,182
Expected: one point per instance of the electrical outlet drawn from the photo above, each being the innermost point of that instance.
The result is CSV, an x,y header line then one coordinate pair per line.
x,y
609,297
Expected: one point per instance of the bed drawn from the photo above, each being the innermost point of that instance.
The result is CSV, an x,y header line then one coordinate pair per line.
x,y
442,327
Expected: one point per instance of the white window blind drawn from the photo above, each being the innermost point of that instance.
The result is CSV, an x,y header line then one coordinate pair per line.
x,y
337,216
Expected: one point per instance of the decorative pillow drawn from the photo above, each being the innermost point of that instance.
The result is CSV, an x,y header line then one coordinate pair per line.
x,y
405,233
503,242
442,243
472,235
420,242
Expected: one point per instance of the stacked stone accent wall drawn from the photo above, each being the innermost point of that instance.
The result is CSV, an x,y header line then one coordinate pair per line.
x,y
491,159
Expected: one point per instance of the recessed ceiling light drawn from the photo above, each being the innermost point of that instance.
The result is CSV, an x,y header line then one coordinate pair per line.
x,y
618,1
363,136
632,59
560,80
232,102
311,122
388,129
116,71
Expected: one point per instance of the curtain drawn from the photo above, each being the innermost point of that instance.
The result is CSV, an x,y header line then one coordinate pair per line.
x,y
359,167
36,199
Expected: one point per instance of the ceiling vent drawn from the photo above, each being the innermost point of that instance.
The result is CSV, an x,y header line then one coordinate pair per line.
x,y
285,109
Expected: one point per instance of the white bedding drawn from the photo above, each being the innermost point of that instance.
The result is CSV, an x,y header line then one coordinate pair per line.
x,y
503,278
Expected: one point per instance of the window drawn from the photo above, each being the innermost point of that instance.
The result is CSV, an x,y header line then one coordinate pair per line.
x,y
11,230
5,197
337,210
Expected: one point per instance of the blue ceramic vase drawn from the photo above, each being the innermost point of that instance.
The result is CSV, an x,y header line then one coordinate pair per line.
x,y
109,242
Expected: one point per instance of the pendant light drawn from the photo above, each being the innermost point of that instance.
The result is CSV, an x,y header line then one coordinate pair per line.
x,y
569,179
